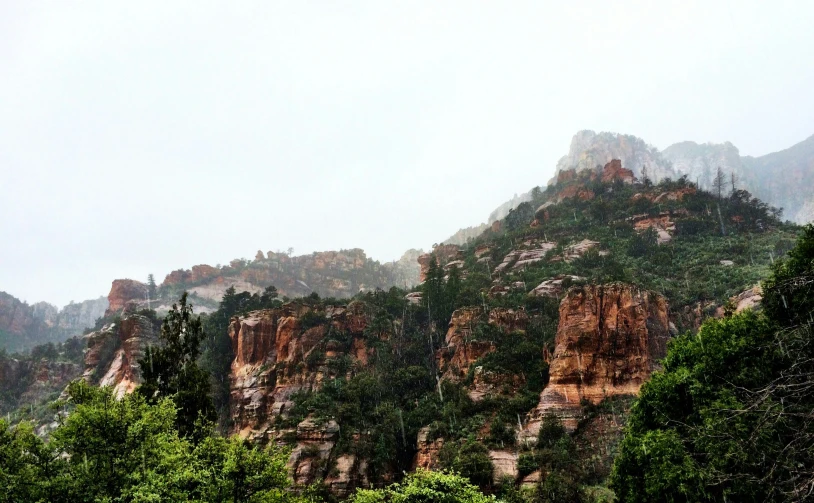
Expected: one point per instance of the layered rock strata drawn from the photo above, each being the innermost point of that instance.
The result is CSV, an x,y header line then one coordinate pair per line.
x,y
609,340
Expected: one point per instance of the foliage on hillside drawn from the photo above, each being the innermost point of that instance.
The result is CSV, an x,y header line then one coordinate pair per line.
x,y
687,269
382,404
127,450
730,417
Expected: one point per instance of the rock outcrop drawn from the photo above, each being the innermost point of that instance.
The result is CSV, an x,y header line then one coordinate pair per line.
x,y
554,287
749,299
124,293
463,348
590,151
662,225
113,353
18,322
281,351
427,450
526,254
443,254
609,340
275,356
339,274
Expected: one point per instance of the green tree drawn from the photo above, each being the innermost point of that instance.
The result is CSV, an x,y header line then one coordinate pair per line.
x,y
789,292
434,296
469,458
171,369
730,417
151,287
424,487
112,444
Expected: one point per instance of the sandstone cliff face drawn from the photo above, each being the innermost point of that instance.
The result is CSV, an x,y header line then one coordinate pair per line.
x,y
124,292
462,349
275,357
609,340
272,362
34,380
112,353
700,162
23,326
774,178
75,317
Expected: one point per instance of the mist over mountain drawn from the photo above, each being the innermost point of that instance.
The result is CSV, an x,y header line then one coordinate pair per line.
x,y
267,195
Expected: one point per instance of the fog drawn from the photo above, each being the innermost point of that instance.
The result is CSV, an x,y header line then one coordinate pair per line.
x,y
143,137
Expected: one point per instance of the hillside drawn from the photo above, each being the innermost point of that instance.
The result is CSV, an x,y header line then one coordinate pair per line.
x,y
339,274
529,342
23,326
562,310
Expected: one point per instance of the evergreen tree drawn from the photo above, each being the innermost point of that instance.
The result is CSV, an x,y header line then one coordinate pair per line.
x,y
151,287
730,417
433,288
171,369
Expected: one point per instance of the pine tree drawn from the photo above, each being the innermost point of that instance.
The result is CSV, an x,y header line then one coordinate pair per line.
x,y
433,291
171,369
151,288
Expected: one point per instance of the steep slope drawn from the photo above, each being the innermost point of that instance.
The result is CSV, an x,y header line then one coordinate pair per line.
x,y
775,178
700,163
23,326
780,176
591,151
564,310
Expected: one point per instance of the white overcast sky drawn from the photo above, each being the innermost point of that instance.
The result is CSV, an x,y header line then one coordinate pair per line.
x,y
140,137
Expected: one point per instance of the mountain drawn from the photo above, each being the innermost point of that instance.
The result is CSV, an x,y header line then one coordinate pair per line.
x,y
518,357
591,151
562,310
775,178
23,326
783,179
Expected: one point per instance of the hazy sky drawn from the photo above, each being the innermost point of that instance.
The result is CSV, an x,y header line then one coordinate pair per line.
x,y
140,137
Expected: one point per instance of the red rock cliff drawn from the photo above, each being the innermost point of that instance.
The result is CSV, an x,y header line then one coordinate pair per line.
x,y
113,353
272,351
609,340
123,292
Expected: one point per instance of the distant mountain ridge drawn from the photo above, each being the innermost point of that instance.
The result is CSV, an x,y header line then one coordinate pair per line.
x,y
23,326
775,178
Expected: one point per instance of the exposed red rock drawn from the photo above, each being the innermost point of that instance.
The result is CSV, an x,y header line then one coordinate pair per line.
x,y
505,465
577,191
427,449
461,351
614,171
554,287
749,299
609,340
271,350
663,226
566,175
124,292
17,317
526,254
127,342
